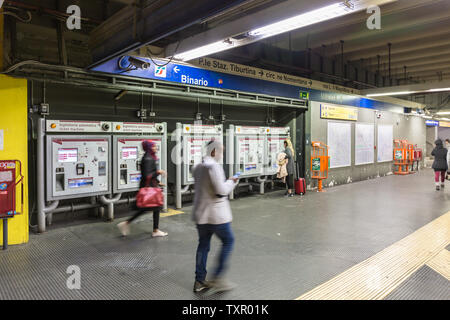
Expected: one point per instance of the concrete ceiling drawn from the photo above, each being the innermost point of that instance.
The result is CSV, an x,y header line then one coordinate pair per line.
x,y
418,30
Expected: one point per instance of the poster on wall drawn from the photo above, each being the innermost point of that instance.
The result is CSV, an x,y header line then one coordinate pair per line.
x,y
364,143
340,144
385,143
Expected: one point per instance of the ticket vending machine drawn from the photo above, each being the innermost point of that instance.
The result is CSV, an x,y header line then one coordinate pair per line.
x,y
128,152
247,146
274,146
78,159
78,166
246,154
191,141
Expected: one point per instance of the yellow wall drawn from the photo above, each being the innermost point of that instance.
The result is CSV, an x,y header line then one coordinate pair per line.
x,y
13,122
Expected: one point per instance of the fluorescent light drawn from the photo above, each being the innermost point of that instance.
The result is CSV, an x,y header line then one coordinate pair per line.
x,y
438,90
443,112
296,22
302,20
205,50
446,119
427,117
390,93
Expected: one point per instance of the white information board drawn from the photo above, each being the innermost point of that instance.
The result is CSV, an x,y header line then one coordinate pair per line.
x,y
385,143
340,144
1,140
364,143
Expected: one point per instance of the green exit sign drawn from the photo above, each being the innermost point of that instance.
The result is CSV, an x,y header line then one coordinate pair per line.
x,y
304,95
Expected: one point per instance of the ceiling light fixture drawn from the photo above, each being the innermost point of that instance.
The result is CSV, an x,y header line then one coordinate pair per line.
x,y
438,90
443,112
205,50
312,17
390,94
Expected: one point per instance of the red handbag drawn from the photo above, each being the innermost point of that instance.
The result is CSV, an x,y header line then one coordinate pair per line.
x,y
149,197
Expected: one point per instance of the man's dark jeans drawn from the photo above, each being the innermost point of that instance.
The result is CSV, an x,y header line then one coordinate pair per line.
x,y
205,232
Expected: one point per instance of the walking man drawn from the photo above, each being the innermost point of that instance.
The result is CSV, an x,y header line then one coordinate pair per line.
x,y
212,214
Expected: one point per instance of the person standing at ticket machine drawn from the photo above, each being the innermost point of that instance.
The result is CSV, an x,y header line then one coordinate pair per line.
x,y
290,167
149,172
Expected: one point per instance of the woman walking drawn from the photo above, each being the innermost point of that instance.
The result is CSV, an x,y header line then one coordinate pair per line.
x,y
149,174
289,151
439,164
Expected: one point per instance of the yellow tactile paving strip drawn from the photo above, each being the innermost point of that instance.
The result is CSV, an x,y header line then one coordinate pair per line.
x,y
441,263
171,212
376,277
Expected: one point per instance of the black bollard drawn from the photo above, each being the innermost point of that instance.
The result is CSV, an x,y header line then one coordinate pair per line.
x,y
5,234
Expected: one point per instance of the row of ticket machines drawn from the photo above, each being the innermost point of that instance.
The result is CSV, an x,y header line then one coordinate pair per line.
x,y
91,158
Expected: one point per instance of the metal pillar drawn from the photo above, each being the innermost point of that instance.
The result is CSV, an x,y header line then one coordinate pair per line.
x,y
342,59
178,163
165,180
230,154
110,204
389,48
5,234
42,209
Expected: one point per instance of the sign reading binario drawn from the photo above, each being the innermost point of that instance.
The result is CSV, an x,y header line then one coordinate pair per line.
x,y
195,81
212,73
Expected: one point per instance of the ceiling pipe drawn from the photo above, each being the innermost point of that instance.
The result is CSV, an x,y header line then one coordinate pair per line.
x,y
389,48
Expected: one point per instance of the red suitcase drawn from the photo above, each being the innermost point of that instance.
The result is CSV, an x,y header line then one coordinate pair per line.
x,y
300,186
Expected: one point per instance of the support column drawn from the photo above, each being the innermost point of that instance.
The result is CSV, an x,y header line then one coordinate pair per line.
x,y
179,163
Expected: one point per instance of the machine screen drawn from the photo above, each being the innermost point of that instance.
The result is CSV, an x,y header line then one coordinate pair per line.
x,y
67,155
129,153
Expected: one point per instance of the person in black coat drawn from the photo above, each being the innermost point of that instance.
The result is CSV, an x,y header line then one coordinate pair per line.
x,y
149,178
440,165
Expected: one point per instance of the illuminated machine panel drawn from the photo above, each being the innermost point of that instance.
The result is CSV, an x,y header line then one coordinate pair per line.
x,y
249,151
195,139
128,153
77,166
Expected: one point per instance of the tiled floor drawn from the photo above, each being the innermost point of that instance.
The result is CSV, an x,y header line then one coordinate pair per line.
x,y
284,246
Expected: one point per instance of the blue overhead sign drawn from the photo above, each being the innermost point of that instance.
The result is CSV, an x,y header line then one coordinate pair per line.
x,y
189,75
432,123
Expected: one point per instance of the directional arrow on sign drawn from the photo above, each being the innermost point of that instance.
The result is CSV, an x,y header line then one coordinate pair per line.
x,y
176,69
261,73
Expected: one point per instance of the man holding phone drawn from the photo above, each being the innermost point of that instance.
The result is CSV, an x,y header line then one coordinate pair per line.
x,y
212,214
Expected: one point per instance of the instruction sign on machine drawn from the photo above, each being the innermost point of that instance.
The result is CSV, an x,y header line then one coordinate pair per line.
x,y
274,146
128,152
195,139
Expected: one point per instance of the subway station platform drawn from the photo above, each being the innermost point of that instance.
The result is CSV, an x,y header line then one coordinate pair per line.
x,y
387,238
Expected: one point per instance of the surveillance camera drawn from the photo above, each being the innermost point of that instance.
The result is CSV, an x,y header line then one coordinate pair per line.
x,y
140,64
